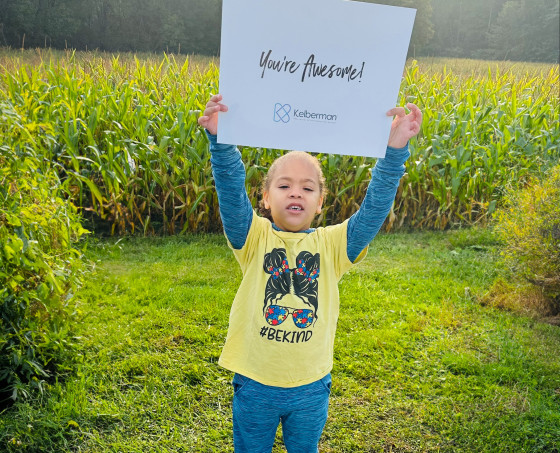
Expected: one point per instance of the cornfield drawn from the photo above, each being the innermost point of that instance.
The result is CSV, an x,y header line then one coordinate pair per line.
x,y
121,133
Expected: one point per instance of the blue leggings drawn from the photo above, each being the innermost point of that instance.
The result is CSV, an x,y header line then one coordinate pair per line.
x,y
259,408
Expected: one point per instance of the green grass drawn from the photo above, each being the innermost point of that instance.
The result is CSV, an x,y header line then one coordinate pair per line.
x,y
420,365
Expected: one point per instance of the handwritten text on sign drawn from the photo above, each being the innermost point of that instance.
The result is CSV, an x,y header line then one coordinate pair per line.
x,y
311,68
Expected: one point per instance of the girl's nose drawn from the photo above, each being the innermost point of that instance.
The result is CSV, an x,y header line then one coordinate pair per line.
x,y
295,192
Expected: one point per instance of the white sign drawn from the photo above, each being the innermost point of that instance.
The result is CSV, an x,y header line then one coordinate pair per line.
x,y
311,75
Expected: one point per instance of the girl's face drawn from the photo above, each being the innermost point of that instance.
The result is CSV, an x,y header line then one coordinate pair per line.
x,y
294,196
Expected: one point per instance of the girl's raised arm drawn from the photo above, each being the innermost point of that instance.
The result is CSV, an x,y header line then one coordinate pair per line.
x,y
229,176
385,177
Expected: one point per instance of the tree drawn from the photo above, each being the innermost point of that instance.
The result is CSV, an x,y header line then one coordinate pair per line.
x,y
15,21
527,31
461,28
498,29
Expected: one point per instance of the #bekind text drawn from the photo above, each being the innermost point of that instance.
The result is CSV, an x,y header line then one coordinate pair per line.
x,y
310,68
284,336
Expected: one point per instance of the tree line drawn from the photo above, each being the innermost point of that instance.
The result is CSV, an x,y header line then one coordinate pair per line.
x,y
489,29
178,26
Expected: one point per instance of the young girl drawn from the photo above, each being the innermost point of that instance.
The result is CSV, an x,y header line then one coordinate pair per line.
x,y
283,318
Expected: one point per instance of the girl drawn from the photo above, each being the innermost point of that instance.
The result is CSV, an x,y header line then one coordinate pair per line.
x,y
283,318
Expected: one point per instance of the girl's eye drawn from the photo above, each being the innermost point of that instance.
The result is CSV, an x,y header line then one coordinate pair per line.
x,y
308,189
284,186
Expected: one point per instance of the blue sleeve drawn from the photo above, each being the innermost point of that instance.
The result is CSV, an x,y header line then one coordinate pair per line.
x,y
366,221
229,176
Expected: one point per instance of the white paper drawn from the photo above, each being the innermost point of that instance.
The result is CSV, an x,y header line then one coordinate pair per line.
x,y
270,51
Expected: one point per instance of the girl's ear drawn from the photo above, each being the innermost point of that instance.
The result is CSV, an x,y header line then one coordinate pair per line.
x,y
265,200
319,206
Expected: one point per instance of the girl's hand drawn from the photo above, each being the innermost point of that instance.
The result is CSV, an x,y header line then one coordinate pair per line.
x,y
209,118
404,126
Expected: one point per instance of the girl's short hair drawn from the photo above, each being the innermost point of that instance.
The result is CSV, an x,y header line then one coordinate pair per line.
x,y
265,186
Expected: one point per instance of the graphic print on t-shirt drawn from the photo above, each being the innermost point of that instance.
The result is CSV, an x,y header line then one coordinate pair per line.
x,y
300,281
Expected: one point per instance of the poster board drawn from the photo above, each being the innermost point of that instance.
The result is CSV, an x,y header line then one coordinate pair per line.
x,y
311,75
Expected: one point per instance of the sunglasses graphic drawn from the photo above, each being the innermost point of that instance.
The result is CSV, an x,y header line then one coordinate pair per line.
x,y
276,315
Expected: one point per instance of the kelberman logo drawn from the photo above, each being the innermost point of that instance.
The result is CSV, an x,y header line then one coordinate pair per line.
x,y
325,117
282,112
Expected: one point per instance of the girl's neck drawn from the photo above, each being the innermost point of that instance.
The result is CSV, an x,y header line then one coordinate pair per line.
x,y
309,230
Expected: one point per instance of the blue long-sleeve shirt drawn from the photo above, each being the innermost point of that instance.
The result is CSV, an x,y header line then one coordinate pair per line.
x,y
237,213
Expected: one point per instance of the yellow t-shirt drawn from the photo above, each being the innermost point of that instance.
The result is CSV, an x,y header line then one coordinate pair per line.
x,y
283,318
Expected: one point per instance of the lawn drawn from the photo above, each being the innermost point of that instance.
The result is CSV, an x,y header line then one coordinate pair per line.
x,y
420,363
